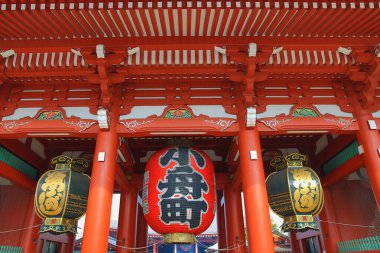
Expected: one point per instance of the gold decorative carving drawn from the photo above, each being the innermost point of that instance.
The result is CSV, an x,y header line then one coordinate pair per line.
x,y
272,123
51,199
83,125
131,125
8,126
295,159
345,123
179,238
221,122
306,190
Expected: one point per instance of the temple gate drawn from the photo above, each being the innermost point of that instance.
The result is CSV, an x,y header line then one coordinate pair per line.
x,y
112,82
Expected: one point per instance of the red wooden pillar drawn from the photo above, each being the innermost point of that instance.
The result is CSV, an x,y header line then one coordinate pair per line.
x,y
370,140
260,238
70,244
222,244
40,246
302,246
29,238
121,230
234,220
330,232
96,229
294,242
127,220
141,229
63,248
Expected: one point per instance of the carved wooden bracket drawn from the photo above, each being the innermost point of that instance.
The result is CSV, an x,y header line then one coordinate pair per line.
x,y
249,73
103,74
367,72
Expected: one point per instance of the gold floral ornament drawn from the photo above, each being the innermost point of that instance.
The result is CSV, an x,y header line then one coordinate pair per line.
x,y
61,195
294,192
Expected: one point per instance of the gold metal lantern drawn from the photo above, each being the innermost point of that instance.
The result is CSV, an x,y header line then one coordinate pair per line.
x,y
61,195
294,192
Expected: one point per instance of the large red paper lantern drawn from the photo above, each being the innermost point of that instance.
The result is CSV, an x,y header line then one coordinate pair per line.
x,y
179,191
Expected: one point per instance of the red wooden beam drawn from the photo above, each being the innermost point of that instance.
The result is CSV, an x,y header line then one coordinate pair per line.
x,y
333,148
17,177
126,157
137,180
174,70
207,42
121,179
237,180
221,180
232,153
343,170
24,153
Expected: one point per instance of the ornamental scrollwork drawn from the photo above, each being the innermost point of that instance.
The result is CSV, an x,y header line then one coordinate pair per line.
x,y
345,123
222,123
272,123
8,126
131,125
83,125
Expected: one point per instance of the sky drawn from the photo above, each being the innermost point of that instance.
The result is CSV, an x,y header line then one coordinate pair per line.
x,y
115,214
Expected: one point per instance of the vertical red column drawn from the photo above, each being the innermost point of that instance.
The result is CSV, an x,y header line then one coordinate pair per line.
x,y
330,232
234,219
127,220
63,248
260,238
96,229
302,246
121,229
294,242
40,246
30,236
221,221
142,228
70,244
370,140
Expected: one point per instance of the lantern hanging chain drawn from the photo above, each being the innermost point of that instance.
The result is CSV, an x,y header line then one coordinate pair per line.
x,y
346,224
19,229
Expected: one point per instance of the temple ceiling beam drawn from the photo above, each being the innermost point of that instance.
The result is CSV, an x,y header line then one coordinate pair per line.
x,y
195,43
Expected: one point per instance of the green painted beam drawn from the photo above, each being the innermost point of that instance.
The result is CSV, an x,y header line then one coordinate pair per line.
x,y
343,156
359,245
10,249
16,162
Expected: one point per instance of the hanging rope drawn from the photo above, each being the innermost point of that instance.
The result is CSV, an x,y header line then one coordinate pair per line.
x,y
237,245
144,249
19,229
346,224
139,249
134,249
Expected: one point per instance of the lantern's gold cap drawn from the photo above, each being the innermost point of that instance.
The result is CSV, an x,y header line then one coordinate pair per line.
x,y
179,238
295,160
278,163
64,162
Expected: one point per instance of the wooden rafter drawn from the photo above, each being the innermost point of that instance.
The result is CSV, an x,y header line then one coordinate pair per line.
x,y
225,18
